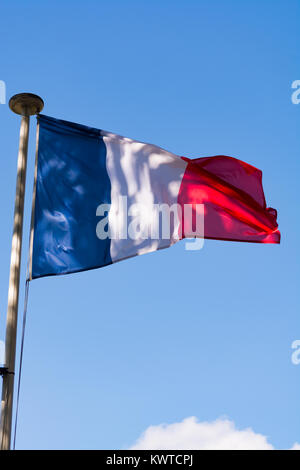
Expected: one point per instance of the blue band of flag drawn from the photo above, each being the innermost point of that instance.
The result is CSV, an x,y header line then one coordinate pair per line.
x,y
72,181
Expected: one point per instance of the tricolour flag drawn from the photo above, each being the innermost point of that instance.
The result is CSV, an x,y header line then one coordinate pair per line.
x,y
101,198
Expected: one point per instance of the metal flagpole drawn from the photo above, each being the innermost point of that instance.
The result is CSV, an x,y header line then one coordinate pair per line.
x,y
25,104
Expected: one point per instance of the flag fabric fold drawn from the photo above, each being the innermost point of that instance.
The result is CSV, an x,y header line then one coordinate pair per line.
x,y
99,198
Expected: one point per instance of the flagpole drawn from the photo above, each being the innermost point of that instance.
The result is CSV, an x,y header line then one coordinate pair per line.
x,y
25,104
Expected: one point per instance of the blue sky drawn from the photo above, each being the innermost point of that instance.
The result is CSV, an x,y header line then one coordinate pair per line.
x,y
172,334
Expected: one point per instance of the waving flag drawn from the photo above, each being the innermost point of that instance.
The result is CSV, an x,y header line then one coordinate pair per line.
x,y
91,184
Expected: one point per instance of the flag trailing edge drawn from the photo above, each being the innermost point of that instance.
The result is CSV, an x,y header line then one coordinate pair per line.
x,y
86,177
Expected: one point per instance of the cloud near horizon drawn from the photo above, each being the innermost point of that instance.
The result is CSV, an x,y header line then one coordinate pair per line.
x,y
191,434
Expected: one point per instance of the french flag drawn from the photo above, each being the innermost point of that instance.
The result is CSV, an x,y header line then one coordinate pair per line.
x,y
95,192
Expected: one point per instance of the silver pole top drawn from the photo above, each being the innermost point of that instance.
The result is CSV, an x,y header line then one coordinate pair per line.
x,y
26,104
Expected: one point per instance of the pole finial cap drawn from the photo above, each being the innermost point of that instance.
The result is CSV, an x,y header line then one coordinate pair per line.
x,y
26,104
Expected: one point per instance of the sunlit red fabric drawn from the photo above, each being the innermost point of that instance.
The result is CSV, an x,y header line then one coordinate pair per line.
x,y
233,197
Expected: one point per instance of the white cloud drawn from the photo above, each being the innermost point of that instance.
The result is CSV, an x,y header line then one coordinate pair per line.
x,y
296,446
190,434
